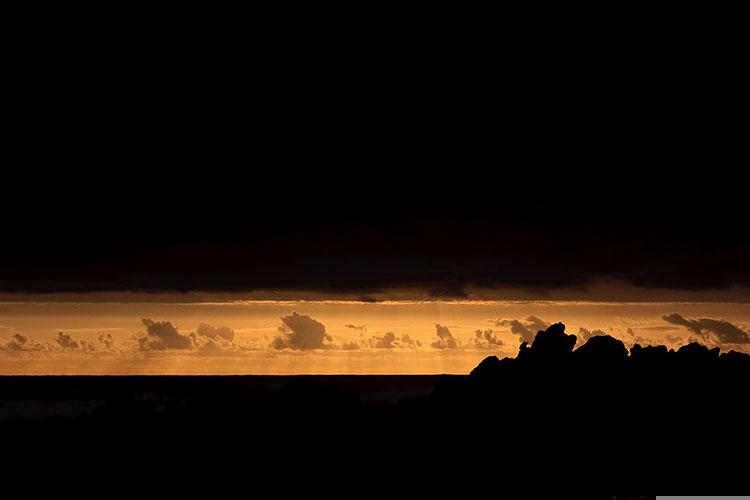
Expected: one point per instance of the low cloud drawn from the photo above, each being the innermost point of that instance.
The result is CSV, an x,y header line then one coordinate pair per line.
x,y
633,338
222,332
65,341
62,342
387,341
445,338
392,341
301,332
162,335
673,340
719,330
407,341
486,339
106,340
527,328
214,340
19,342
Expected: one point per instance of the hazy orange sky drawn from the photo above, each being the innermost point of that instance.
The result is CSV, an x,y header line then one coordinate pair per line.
x,y
324,337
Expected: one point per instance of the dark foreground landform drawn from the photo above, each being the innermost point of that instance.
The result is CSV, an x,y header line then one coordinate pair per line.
x,y
554,417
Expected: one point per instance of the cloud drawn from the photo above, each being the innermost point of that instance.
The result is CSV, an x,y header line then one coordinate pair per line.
x,y
65,341
407,341
387,341
350,346
722,331
18,342
163,335
361,328
450,292
673,340
106,340
68,343
445,338
635,339
368,246
527,328
214,340
222,332
302,333
486,339
391,341
210,346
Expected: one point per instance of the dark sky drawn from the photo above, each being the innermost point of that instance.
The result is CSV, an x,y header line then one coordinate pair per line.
x,y
171,179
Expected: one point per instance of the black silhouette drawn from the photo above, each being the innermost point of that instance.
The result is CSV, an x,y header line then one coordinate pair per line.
x,y
554,417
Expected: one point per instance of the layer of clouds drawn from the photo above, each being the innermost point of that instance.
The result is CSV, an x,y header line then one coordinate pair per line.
x,y
445,338
388,340
301,332
62,342
720,330
527,328
160,336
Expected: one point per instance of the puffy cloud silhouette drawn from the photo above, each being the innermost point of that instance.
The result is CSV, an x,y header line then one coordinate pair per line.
x,y
106,340
68,343
18,342
162,335
387,341
406,341
65,341
301,332
222,332
214,340
486,339
391,341
527,328
445,338
722,331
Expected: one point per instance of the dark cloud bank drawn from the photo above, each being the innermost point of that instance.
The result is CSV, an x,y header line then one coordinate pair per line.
x,y
441,238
